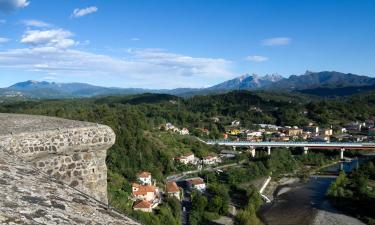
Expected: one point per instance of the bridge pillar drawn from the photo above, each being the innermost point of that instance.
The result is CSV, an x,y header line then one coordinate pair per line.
x,y
252,151
268,150
342,150
305,150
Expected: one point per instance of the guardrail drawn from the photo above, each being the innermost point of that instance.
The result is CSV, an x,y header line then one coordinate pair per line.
x,y
291,144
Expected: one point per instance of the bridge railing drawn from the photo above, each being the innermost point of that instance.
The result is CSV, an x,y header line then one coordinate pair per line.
x,y
364,144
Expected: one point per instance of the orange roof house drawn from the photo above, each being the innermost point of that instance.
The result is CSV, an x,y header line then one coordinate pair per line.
x,y
143,205
143,192
172,187
173,190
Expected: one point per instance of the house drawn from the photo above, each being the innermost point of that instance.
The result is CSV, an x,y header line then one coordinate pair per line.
x,y
144,192
234,132
196,184
187,159
184,131
327,132
235,123
142,205
172,190
210,160
268,126
293,132
144,178
254,133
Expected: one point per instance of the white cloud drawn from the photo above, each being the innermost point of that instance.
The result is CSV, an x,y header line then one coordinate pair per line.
x,y
276,41
35,23
2,22
83,12
52,53
57,38
7,6
135,39
4,40
256,58
143,67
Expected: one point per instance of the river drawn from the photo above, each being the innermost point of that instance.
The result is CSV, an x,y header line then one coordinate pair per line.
x,y
305,203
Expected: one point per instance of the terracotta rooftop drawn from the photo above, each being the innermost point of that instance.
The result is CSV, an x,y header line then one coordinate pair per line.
x,y
143,189
195,181
172,187
143,204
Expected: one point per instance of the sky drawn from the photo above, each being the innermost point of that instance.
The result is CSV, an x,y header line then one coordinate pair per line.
x,y
181,43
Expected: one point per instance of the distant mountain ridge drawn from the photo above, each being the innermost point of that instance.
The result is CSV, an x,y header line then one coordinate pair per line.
x,y
326,79
315,83
247,82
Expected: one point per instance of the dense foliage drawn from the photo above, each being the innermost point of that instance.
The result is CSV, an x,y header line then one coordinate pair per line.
x,y
355,193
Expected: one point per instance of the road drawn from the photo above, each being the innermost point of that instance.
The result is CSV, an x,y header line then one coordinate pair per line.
x,y
180,176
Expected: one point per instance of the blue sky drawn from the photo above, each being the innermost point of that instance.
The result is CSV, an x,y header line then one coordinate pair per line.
x,y
184,43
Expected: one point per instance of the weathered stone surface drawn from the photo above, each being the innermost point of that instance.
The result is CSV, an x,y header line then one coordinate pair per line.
x,y
65,149
53,171
38,199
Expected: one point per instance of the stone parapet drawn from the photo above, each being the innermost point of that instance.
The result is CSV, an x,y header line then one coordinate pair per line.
x,y
71,151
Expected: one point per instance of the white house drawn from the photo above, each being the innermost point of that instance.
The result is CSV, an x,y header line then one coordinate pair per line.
x,y
184,131
210,160
197,184
251,134
145,178
187,159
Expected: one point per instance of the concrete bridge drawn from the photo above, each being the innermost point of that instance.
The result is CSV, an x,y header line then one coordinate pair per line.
x,y
305,145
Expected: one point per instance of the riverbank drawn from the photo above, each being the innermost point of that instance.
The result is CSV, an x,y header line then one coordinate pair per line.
x,y
298,202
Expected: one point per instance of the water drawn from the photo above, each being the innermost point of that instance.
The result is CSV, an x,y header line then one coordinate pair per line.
x,y
299,205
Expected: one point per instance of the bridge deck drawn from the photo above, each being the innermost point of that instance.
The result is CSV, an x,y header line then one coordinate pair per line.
x,y
328,145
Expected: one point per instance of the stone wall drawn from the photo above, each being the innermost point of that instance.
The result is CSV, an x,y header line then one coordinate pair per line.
x,y
72,152
29,196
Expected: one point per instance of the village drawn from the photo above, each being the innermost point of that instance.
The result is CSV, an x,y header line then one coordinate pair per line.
x,y
146,195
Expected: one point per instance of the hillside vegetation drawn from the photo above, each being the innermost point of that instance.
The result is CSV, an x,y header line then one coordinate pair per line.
x,y
141,145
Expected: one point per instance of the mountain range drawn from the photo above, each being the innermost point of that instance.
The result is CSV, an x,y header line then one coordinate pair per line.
x,y
324,83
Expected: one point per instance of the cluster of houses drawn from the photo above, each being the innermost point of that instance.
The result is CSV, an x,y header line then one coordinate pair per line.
x,y
171,127
355,131
147,196
191,159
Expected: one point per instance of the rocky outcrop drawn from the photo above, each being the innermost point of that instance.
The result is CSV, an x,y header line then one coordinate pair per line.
x,y
53,171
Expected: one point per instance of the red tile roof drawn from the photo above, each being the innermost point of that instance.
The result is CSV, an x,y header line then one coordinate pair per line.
x,y
172,187
142,205
143,189
196,181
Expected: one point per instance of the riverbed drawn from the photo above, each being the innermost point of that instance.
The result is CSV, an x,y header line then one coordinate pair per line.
x,y
303,203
